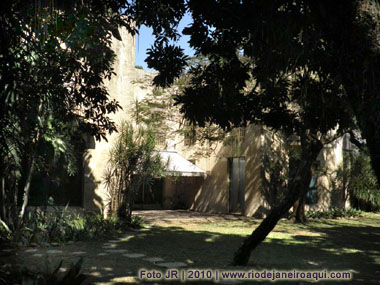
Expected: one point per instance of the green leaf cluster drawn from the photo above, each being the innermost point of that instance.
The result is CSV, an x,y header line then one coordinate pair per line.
x,y
357,175
132,162
55,57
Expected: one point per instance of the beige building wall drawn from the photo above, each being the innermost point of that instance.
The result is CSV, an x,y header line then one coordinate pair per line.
x,y
254,201
129,84
330,193
122,88
214,194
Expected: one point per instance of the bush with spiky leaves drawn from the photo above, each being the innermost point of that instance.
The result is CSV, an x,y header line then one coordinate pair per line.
x,y
133,162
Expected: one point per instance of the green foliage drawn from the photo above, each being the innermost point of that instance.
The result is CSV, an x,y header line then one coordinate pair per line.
x,y
136,222
159,111
138,67
42,227
58,225
132,162
156,111
357,175
55,58
334,213
163,17
25,276
93,226
276,169
234,140
5,232
288,92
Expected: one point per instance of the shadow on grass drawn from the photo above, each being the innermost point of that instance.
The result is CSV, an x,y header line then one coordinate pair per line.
x,y
334,247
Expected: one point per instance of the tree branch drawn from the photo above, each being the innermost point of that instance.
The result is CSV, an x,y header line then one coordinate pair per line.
x,y
356,142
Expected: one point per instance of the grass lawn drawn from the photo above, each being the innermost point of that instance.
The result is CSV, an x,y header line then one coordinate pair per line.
x,y
209,243
342,245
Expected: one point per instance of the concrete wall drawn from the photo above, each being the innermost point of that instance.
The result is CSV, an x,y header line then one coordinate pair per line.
x,y
122,88
254,201
214,196
330,193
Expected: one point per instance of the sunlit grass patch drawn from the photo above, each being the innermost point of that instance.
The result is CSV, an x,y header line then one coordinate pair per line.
x,y
336,244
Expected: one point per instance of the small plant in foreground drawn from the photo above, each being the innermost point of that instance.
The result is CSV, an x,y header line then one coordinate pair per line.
x,y
137,222
11,275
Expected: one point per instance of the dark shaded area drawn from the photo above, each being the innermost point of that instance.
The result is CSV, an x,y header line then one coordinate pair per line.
x,y
149,196
54,181
338,247
64,189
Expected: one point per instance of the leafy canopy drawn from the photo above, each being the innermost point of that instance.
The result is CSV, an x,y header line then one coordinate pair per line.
x,y
263,66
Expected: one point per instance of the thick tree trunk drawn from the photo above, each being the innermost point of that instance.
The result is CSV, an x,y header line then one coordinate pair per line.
x,y
298,187
300,216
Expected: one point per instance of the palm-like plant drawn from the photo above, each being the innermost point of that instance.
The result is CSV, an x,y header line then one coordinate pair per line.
x,y
132,163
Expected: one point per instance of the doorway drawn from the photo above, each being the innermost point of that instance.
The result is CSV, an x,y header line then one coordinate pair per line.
x,y
237,184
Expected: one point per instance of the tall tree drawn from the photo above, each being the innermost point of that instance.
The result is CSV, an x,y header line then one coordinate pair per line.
x,y
284,54
351,30
348,30
54,58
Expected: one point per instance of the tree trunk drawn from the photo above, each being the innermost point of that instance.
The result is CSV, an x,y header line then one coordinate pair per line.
x,y
298,214
25,198
298,187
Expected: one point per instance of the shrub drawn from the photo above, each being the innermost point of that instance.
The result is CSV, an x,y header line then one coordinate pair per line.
x,y
356,175
132,163
334,214
12,275
58,226
5,232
